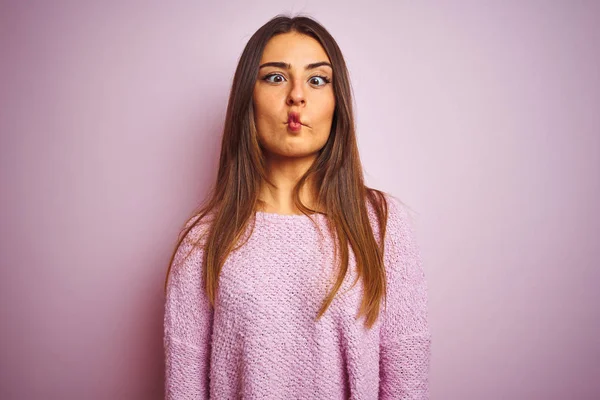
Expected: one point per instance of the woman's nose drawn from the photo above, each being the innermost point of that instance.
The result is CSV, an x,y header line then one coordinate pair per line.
x,y
296,95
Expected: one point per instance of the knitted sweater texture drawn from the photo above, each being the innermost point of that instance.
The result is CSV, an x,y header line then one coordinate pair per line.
x,y
262,340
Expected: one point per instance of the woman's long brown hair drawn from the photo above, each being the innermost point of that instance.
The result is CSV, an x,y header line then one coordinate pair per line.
x,y
337,173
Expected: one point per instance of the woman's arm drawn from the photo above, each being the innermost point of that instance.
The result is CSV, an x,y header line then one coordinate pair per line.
x,y
187,328
405,336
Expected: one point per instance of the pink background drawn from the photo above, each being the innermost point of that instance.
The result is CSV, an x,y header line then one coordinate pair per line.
x,y
483,117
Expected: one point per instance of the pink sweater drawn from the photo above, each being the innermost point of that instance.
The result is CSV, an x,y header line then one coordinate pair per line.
x,y
262,340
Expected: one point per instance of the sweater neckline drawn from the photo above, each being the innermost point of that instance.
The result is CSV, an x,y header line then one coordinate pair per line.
x,y
274,217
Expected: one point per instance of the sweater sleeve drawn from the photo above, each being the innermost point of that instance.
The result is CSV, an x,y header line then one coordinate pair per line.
x,y
405,335
188,322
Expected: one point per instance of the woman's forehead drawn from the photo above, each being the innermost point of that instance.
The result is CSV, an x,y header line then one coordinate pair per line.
x,y
295,49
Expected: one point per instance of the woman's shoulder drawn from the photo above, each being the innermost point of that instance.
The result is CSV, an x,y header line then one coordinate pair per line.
x,y
398,212
196,227
400,221
186,265
396,208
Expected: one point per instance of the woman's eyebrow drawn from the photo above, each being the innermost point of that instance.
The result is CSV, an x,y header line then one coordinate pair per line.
x,y
284,65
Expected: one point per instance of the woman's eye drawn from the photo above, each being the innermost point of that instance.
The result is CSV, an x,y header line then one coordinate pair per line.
x,y
268,78
315,80
323,79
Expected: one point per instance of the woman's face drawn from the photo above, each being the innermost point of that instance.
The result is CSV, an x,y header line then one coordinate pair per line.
x,y
290,87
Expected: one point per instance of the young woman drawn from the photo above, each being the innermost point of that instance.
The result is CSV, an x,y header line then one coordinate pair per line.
x,y
276,286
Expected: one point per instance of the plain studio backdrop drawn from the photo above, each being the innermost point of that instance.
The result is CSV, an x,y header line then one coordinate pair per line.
x,y
484,117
